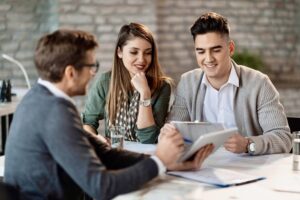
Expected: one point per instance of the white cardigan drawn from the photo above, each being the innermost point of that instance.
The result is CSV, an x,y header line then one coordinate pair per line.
x,y
258,112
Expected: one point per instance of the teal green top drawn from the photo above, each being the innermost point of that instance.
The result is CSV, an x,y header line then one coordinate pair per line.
x,y
96,102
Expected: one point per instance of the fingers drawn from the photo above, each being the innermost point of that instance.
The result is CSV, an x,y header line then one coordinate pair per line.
x,y
168,129
201,155
230,144
170,145
233,139
139,77
176,139
204,152
140,83
236,144
140,74
196,163
231,147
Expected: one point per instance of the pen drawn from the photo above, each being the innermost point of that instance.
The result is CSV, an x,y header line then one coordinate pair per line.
x,y
250,181
187,141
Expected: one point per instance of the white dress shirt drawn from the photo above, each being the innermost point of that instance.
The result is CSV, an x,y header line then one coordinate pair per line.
x,y
218,104
54,90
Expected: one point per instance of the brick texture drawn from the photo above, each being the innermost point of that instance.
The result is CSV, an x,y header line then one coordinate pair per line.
x,y
268,28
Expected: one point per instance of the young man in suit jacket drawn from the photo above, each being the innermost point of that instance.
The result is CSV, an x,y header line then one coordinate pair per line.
x,y
50,156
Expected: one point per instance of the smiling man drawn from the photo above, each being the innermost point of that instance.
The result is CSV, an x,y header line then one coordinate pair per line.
x,y
223,91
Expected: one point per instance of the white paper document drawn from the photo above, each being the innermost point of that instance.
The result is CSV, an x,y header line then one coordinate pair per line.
x,y
217,176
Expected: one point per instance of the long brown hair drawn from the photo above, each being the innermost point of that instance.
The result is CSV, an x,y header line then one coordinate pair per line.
x,y
120,77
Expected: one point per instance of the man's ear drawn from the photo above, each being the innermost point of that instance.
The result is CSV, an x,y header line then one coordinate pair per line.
x,y
231,47
120,53
69,72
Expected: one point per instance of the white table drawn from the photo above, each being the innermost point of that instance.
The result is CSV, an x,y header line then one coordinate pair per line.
x,y
276,168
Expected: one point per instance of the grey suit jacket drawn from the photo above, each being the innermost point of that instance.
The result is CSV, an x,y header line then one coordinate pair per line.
x,y
50,156
257,109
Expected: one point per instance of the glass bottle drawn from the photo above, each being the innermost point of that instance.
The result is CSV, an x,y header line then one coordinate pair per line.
x,y
8,91
296,151
3,92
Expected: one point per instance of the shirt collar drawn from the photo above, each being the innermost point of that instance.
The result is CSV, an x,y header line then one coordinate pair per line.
x,y
55,91
233,78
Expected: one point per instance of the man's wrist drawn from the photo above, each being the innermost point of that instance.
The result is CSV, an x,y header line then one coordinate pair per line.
x,y
247,144
251,147
160,165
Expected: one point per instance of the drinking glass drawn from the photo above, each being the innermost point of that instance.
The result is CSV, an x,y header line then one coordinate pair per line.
x,y
117,134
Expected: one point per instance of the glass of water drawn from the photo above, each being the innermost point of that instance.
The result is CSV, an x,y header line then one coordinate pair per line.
x,y
117,136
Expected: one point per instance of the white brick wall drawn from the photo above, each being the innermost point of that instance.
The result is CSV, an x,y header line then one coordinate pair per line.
x,y
266,27
290,99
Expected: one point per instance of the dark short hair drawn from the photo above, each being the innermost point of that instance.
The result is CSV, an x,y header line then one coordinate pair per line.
x,y
210,22
57,50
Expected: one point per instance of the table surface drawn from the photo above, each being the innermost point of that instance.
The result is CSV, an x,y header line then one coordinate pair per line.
x,y
277,169
7,108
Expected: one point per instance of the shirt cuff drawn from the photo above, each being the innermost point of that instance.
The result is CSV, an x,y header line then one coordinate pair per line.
x,y
161,167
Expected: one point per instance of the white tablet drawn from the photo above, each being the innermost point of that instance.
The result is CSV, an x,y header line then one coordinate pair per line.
x,y
193,130
216,138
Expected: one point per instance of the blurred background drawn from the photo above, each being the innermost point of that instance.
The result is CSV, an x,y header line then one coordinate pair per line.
x,y
266,33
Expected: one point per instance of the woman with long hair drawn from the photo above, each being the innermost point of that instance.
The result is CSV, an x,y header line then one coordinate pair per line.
x,y
135,94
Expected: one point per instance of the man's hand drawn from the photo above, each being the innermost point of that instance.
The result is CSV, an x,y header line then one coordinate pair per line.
x,y
167,129
201,155
170,146
196,163
236,144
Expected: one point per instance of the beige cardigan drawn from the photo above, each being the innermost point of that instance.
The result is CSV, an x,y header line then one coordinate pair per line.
x,y
258,112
